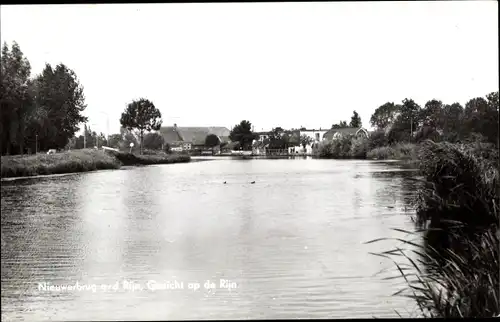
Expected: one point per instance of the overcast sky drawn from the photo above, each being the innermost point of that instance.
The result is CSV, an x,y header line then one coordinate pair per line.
x,y
275,64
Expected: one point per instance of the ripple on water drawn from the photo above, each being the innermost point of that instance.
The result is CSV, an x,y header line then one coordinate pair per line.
x,y
293,242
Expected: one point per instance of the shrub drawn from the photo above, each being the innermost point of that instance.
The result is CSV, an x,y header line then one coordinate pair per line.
x,y
377,139
359,147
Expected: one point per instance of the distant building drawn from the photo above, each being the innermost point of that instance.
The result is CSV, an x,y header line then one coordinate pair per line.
x,y
316,137
186,138
334,134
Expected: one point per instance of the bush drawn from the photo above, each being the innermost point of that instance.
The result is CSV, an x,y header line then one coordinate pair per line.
x,y
339,148
359,147
398,151
377,139
160,158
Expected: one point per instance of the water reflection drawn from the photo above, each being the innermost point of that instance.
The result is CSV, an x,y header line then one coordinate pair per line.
x,y
293,242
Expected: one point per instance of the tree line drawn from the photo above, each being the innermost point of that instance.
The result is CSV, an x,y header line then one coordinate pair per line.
x,y
409,122
37,113
45,111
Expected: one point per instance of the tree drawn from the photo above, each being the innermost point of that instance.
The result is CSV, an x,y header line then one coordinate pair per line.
x,y
355,120
432,114
384,115
305,140
44,112
406,123
212,141
340,125
59,94
481,116
142,116
452,122
127,137
243,134
153,141
114,140
15,101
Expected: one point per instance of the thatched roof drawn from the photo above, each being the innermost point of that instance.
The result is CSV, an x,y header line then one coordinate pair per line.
x,y
193,135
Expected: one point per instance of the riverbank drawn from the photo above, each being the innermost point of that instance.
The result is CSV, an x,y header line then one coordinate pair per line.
x,y
457,209
79,161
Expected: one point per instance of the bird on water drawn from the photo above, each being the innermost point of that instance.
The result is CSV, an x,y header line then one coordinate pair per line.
x,y
252,182
224,182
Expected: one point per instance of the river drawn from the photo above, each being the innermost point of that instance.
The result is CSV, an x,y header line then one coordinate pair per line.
x,y
292,245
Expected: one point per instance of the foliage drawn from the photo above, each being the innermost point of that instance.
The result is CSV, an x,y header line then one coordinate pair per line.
x,y
279,138
243,134
398,151
340,125
457,210
212,141
355,120
359,147
141,115
377,139
384,115
305,140
46,110
157,158
406,123
114,140
339,148
153,141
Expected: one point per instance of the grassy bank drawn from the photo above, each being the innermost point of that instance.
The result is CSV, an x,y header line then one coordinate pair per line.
x,y
79,161
150,158
65,162
457,274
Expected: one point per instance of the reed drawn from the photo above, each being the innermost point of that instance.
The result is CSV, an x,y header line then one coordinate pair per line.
x,y
456,269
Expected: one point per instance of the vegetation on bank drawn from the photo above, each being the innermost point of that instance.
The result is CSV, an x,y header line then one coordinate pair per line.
x,y
456,273
80,161
148,159
65,162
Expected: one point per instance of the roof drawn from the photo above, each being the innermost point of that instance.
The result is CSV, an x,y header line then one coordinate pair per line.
x,y
313,130
170,135
345,130
194,135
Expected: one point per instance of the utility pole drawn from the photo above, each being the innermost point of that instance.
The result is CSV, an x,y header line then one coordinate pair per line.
x,y
36,144
85,138
411,128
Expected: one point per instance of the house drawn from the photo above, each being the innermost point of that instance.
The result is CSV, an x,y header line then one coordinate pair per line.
x,y
334,134
316,137
187,138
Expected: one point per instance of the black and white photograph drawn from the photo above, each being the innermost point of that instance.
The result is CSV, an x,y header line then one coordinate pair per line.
x,y
249,160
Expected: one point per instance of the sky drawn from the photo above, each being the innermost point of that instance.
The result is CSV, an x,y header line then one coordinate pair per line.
x,y
274,64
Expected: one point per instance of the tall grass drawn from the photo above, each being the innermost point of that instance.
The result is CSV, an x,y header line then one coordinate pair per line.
x,y
148,159
457,270
65,162
398,151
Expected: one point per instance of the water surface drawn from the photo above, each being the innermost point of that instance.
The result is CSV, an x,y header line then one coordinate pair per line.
x,y
291,245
